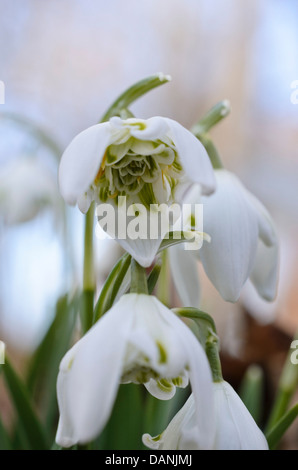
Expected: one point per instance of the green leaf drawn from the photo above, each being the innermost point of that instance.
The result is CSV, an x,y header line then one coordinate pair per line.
x,y
153,276
124,429
276,433
44,367
133,93
111,287
28,420
5,443
287,386
252,391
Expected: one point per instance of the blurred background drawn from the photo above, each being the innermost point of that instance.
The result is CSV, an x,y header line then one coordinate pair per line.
x,y
63,63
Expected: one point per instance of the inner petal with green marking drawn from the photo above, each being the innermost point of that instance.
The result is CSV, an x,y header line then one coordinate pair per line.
x,y
149,169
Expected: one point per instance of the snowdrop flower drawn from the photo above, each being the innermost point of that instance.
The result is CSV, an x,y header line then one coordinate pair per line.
x,y
138,340
151,161
26,187
235,427
243,240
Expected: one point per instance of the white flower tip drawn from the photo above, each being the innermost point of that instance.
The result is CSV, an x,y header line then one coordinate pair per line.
x,y
162,77
226,107
151,442
206,237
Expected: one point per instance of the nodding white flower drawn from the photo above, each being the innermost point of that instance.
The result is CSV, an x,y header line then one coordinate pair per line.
x,y
243,240
235,427
138,340
151,161
26,187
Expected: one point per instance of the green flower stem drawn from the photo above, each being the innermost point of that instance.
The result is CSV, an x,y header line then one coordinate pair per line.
x,y
163,286
211,150
212,351
133,93
88,274
138,283
212,117
287,386
208,337
89,280
201,129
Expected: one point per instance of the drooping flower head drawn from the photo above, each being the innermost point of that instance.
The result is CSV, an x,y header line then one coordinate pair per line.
x,y
244,242
138,340
27,186
133,157
145,162
235,427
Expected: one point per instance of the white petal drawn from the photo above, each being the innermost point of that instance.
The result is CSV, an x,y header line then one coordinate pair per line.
x,y
200,379
267,231
152,129
89,375
84,201
265,272
170,439
156,321
81,161
236,428
143,251
132,235
193,157
184,272
233,226
159,391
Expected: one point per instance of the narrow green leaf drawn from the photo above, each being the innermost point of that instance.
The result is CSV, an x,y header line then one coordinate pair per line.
x,y
111,287
287,386
124,429
252,391
153,276
28,420
276,433
5,443
44,367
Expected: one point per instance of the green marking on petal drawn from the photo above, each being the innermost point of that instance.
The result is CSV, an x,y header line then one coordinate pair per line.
x,y
164,385
178,381
162,353
147,196
141,125
131,166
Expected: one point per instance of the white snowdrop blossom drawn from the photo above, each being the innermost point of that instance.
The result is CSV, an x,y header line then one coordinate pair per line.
x,y
27,186
243,242
153,161
235,427
138,340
